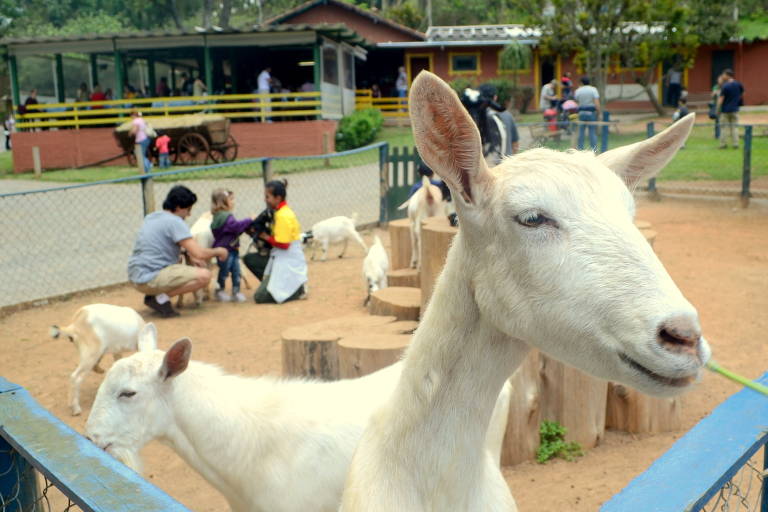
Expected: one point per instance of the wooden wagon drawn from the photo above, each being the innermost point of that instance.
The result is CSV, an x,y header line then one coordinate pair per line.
x,y
195,139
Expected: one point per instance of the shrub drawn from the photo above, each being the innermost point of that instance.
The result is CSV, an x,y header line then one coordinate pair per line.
x,y
358,129
552,443
505,90
460,84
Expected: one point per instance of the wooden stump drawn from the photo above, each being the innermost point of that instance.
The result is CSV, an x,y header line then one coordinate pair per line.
x,y
399,244
363,354
575,400
522,437
310,353
400,327
642,224
631,411
403,277
397,301
436,237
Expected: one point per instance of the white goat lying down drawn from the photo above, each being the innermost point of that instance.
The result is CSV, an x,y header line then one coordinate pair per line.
x,y
333,231
267,444
375,267
425,202
98,329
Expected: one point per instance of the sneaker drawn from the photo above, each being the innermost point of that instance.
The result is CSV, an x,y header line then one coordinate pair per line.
x,y
223,296
165,310
238,297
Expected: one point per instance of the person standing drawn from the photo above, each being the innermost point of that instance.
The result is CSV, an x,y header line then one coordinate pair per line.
x,y
141,139
264,86
9,126
548,97
728,103
198,87
161,143
589,107
674,80
162,90
154,268
401,83
82,93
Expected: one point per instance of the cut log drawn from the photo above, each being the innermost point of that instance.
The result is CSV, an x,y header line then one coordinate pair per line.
x,y
436,238
401,327
631,411
642,224
575,400
522,437
398,301
403,277
399,244
363,354
310,353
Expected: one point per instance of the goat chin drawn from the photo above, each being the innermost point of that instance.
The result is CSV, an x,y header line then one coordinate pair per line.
x,y
130,458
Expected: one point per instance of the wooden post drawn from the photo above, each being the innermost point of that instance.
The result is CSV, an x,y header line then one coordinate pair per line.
x,y
575,400
36,161
266,171
522,437
436,238
366,353
399,244
326,149
399,301
403,277
147,184
629,410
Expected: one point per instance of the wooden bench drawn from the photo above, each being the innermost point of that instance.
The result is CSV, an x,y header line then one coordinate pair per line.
x,y
699,100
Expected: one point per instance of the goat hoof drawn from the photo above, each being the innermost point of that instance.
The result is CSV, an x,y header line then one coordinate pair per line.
x,y
76,411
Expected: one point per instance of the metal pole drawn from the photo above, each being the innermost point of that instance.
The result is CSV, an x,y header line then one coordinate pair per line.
x,y
604,138
208,67
650,131
14,72
17,479
746,174
266,171
151,77
717,127
383,182
94,69
119,76
60,94
317,56
764,485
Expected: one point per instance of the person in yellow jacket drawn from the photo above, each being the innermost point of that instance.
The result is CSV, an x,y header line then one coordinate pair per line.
x,y
286,272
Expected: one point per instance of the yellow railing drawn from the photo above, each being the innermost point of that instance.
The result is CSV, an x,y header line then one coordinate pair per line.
x,y
87,113
389,107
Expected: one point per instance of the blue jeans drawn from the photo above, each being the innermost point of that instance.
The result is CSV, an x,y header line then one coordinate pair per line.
x,y
165,161
587,115
144,147
231,264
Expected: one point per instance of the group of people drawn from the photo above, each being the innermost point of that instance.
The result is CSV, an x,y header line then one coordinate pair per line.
x,y
584,102
143,135
154,268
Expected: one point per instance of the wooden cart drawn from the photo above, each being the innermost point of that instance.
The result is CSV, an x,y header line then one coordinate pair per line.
x,y
195,139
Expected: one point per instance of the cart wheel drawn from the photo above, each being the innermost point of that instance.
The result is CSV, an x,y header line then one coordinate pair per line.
x,y
131,156
192,149
227,152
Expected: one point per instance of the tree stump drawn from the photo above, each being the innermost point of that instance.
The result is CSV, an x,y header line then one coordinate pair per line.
x,y
575,400
310,352
399,244
436,238
400,327
522,436
631,411
403,277
363,354
399,301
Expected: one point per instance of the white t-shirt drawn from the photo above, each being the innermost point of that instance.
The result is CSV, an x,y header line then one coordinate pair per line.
x,y
586,95
264,80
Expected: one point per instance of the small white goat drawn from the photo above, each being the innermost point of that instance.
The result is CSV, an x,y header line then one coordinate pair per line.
x,y
98,329
333,231
375,267
202,234
427,201
267,444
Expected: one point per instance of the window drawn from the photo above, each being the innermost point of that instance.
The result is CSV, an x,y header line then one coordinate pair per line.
x,y
465,63
330,65
349,70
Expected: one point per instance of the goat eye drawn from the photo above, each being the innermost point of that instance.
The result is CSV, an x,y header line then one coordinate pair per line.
x,y
126,394
533,219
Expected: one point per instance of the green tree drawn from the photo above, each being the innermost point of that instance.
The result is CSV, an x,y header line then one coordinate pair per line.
x,y
407,14
636,35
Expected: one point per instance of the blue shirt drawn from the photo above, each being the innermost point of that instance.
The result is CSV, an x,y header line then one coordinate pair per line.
x,y
731,93
157,245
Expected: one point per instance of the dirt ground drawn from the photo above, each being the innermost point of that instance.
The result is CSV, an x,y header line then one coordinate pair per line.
x,y
716,252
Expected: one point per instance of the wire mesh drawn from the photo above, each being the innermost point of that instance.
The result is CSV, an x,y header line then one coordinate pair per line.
x,y
743,492
67,239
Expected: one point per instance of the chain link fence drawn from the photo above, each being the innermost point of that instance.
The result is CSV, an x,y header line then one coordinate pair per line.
x,y
744,492
71,238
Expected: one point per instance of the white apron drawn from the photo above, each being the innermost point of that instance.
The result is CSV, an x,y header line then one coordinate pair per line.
x,y
287,270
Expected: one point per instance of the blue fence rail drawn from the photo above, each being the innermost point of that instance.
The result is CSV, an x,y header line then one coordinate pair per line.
x,y
33,440
701,470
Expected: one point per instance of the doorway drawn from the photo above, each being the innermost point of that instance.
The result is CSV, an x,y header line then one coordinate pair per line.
x,y
416,63
721,60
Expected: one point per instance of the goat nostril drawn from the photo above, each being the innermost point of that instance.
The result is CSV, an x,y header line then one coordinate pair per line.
x,y
679,340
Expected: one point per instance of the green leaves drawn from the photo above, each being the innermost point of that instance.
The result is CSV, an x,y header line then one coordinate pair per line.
x,y
358,129
553,444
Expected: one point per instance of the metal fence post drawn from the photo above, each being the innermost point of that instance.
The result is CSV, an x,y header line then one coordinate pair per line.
x,y
746,173
650,131
147,184
717,127
266,171
383,182
604,133
18,484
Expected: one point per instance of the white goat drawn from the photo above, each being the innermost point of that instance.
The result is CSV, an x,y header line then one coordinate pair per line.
x,y
375,267
333,231
547,256
267,444
98,329
427,201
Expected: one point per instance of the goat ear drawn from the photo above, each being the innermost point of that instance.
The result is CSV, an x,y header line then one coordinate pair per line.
x,y
176,359
148,337
644,160
446,136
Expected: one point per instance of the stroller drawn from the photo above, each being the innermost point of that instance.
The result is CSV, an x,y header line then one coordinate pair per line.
x,y
569,112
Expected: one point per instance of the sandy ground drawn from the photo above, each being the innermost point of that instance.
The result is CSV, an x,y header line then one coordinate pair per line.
x,y
718,255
